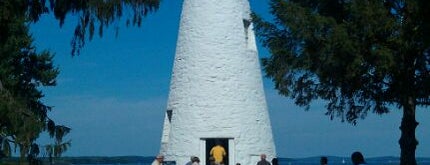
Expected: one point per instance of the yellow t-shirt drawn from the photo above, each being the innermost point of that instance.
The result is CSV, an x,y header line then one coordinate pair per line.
x,y
218,153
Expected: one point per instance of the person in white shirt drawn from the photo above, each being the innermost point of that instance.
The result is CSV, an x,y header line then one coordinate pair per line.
x,y
158,160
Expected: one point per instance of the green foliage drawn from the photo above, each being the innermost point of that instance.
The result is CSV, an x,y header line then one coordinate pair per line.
x,y
359,55
93,13
90,160
23,70
59,146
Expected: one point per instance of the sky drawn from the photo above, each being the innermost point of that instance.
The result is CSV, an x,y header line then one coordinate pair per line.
x,y
114,95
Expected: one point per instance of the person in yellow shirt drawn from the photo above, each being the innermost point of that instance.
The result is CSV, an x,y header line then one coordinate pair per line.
x,y
218,152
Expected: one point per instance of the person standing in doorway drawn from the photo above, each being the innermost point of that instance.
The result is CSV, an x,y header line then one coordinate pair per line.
x,y
218,153
212,161
263,160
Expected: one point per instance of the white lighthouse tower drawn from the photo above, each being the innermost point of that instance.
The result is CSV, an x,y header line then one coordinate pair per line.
x,y
216,91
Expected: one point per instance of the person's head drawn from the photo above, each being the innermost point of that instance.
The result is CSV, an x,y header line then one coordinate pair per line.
x,y
191,158
195,159
357,158
263,156
324,160
237,163
159,158
275,161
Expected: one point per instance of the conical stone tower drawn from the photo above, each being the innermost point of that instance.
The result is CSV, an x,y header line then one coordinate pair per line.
x,y
216,92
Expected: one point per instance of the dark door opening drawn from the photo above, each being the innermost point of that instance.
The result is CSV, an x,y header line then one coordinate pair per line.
x,y
211,143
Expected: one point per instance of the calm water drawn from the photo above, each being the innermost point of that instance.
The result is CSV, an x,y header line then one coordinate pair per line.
x,y
292,163
346,161
298,162
312,161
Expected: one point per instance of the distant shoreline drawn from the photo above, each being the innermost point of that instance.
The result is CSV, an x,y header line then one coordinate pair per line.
x,y
148,159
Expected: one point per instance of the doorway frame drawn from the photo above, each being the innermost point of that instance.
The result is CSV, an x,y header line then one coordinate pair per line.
x,y
230,150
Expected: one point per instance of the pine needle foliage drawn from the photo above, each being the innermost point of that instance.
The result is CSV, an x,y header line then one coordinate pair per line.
x,y
24,69
359,56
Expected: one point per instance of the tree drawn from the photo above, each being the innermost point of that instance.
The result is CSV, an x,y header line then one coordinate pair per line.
x,y
91,13
23,69
56,149
360,56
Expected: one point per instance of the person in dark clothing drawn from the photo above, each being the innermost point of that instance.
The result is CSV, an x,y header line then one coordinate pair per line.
x,y
357,158
263,160
323,160
275,161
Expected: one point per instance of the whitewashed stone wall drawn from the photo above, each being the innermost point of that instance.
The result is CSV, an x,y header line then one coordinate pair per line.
x,y
216,88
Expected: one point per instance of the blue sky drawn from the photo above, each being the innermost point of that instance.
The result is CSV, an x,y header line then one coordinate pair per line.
x,y
114,95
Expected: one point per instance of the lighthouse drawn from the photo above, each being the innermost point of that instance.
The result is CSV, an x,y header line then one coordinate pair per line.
x,y
216,92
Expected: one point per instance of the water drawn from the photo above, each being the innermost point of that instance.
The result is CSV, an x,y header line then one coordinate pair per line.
x,y
305,162
347,161
292,163
282,161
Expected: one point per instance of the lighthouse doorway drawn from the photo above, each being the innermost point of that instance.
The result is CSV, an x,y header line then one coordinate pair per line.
x,y
216,146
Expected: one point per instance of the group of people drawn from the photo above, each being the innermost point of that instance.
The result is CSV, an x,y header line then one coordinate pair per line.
x,y
159,159
357,159
217,157
194,160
